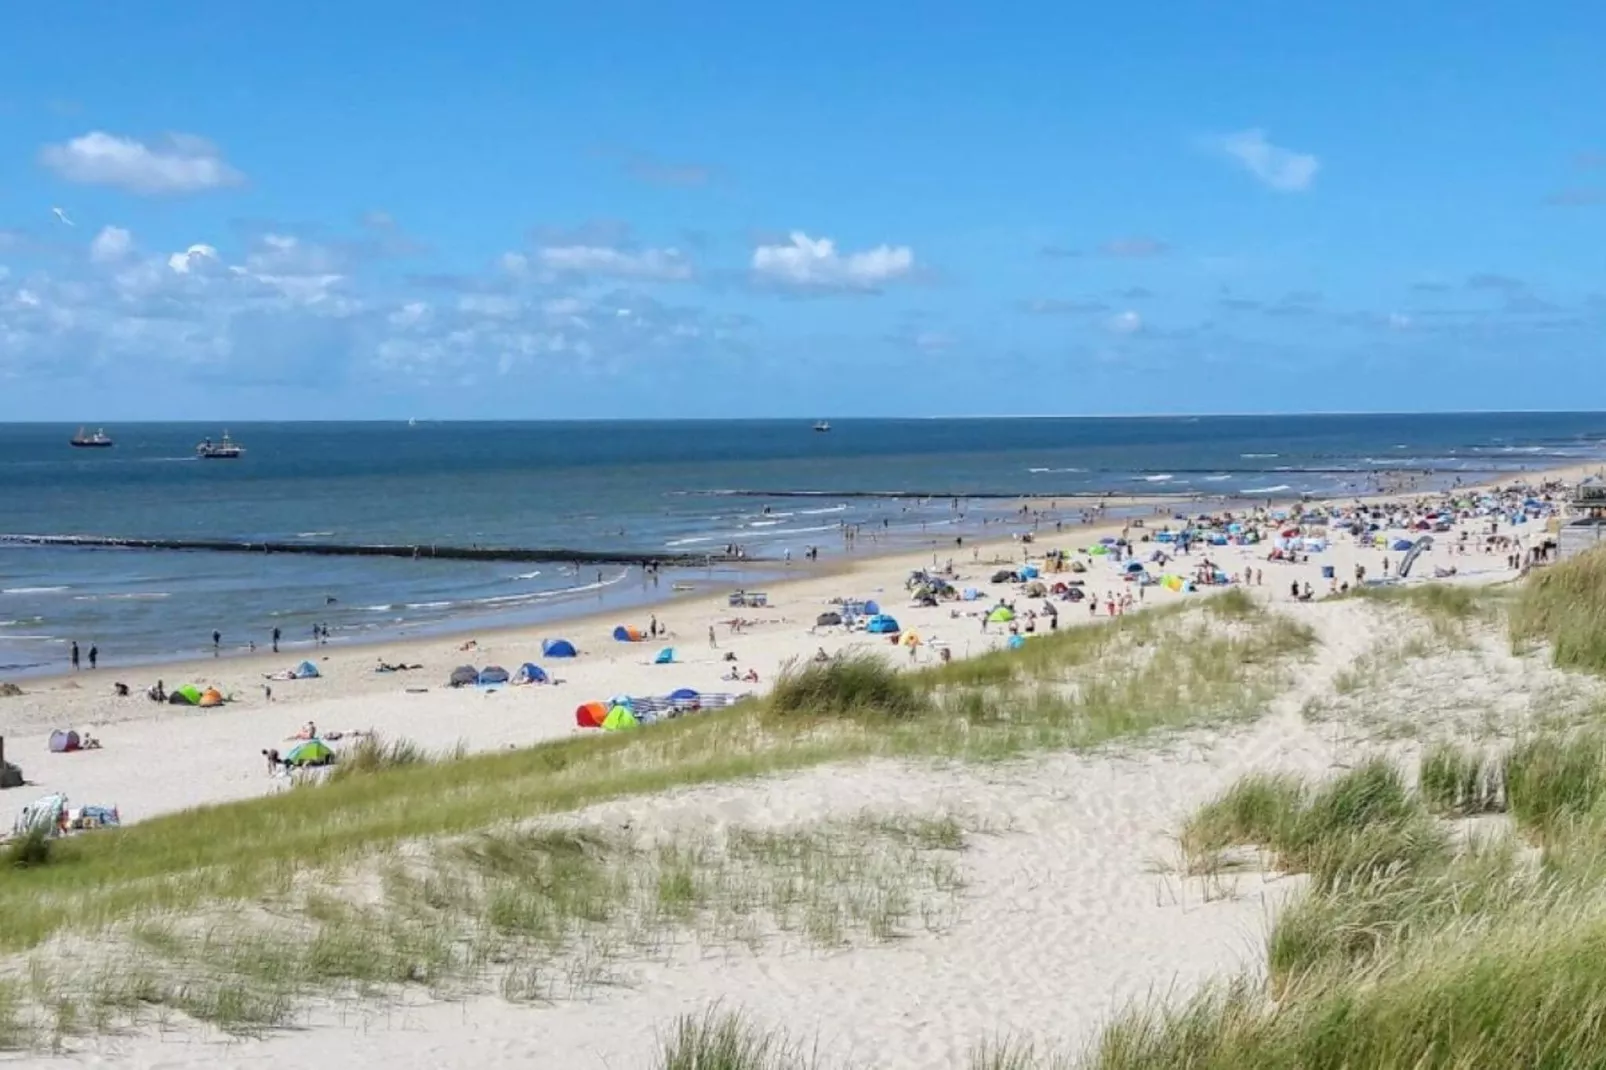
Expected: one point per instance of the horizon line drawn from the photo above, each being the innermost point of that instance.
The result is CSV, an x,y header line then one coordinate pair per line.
x,y
812,419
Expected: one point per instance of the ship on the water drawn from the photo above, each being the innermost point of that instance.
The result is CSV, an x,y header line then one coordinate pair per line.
x,y
98,441
224,449
823,425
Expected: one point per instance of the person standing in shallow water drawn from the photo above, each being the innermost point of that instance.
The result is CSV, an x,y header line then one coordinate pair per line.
x,y
74,655
217,642
94,656
275,640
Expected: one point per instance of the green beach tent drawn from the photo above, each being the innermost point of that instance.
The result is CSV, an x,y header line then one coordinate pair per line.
x,y
1001,615
618,719
188,695
311,752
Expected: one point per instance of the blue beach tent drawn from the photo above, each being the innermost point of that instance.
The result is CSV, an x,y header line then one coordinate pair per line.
x,y
666,656
492,675
306,671
871,609
557,648
684,694
530,673
881,624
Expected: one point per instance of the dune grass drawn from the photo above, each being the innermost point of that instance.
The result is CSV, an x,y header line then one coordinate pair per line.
x,y
535,914
724,1040
1171,671
1458,781
1564,605
1412,954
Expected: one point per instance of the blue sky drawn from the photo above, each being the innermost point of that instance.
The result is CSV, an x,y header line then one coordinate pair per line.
x,y
297,210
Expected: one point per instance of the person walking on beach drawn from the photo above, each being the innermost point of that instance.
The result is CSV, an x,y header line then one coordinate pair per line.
x,y
217,642
713,643
94,656
74,654
275,640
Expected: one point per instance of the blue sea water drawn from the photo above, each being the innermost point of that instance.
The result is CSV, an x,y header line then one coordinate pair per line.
x,y
627,486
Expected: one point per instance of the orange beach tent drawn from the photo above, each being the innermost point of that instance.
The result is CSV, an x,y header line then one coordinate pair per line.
x,y
591,715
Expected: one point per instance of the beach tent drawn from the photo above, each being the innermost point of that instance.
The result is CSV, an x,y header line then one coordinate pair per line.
x,y
683,694
557,648
305,671
46,813
590,715
666,656
970,594
310,752
1001,615
463,676
618,719
530,673
211,697
63,741
1171,582
871,608
1029,572
1098,550
188,695
492,675
1134,566
881,624
629,635
827,620
1401,545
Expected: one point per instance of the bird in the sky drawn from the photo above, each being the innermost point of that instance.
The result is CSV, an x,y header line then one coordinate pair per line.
x,y
61,214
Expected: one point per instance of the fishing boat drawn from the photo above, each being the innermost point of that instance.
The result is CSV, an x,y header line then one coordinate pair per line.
x,y
97,441
225,449
823,425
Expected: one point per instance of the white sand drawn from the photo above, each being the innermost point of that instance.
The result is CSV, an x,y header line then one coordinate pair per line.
x,y
1064,921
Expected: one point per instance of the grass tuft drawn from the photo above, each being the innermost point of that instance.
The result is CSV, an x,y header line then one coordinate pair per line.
x,y
1565,605
33,849
1552,778
858,685
373,754
1460,782
727,1041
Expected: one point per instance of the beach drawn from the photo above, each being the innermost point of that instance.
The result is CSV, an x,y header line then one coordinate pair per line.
x,y
1068,912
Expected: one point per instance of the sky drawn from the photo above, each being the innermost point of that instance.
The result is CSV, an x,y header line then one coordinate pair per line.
x,y
369,210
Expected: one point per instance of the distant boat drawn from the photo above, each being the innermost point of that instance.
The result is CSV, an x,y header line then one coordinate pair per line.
x,y
225,449
823,425
412,423
98,441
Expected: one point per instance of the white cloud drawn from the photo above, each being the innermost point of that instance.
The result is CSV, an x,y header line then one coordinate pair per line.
x,y
1276,167
111,245
662,265
815,263
180,164
1398,321
1125,322
197,257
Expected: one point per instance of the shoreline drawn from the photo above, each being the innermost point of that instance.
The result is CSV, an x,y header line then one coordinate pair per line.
x,y
410,638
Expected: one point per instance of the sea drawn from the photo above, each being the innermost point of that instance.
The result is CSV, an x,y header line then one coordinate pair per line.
x,y
774,488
